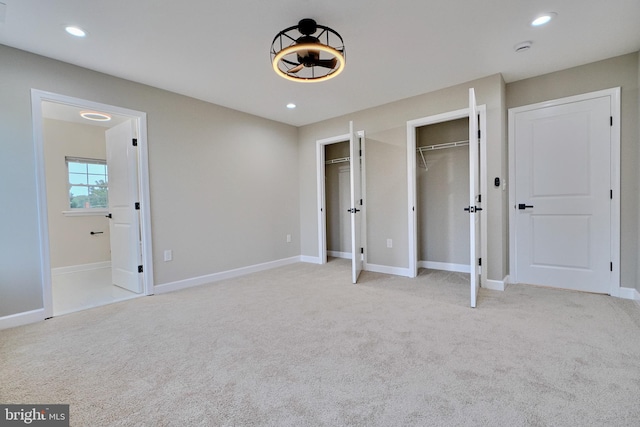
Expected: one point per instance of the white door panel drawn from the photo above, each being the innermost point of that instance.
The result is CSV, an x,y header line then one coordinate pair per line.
x,y
124,225
563,181
474,192
356,196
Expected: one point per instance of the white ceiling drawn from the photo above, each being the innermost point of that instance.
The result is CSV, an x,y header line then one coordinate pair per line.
x,y
218,50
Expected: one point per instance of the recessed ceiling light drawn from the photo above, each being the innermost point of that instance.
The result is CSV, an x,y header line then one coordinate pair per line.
x,y
95,116
75,31
543,19
291,105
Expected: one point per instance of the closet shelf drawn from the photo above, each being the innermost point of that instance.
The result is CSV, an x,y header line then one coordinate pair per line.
x,y
443,146
340,160
421,150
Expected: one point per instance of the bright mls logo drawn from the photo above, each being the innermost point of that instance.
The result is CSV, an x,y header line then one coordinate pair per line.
x,y
35,415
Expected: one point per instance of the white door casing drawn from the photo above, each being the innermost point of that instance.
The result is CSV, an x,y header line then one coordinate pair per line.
x,y
474,207
140,120
564,194
356,204
122,162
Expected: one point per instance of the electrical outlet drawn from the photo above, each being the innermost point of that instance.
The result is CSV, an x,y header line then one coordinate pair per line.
x,y
389,243
168,255
288,238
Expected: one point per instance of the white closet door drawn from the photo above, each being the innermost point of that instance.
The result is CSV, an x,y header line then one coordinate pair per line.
x,y
474,192
356,196
563,195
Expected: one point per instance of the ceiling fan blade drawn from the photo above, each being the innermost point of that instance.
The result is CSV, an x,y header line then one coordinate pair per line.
x,y
327,63
296,68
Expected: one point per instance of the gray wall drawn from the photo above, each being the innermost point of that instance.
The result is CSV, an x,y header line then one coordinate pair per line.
x,y
386,162
70,241
223,183
619,71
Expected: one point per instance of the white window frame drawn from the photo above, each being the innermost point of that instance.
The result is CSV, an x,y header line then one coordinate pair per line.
x,y
83,211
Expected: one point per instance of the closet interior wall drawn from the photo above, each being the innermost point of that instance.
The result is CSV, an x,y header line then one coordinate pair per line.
x,y
442,194
337,194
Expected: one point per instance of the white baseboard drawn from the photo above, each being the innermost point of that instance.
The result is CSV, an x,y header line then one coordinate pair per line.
x,y
23,318
223,275
310,259
82,267
446,266
496,285
397,271
336,254
629,293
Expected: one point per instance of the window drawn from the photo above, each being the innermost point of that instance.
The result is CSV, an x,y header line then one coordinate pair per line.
x,y
88,181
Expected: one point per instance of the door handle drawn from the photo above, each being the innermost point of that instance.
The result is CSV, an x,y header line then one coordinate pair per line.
x,y
109,216
353,210
522,206
472,209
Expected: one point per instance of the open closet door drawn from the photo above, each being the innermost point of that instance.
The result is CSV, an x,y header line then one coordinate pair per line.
x,y
474,199
356,204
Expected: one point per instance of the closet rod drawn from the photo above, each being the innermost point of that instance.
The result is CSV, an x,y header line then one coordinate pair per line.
x,y
340,160
443,146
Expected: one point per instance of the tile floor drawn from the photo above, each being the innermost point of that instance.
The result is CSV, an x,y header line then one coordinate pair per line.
x,y
85,289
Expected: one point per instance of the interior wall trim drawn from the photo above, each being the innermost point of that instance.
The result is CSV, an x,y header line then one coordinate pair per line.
x,y
337,254
496,285
396,271
80,267
446,266
20,319
629,293
223,275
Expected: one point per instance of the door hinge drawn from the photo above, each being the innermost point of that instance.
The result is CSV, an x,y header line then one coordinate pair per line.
x,y
611,194
361,250
610,266
479,134
610,120
480,262
360,153
137,205
139,269
134,141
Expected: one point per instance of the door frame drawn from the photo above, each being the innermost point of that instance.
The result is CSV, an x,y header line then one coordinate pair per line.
x,y
140,125
412,126
614,96
320,179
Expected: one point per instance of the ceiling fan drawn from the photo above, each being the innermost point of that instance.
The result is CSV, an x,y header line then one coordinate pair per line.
x,y
308,52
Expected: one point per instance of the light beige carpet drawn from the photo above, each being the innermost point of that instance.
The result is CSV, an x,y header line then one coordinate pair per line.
x,y
301,346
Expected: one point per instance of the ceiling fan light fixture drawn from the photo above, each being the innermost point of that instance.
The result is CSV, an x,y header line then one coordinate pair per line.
x,y
308,52
95,116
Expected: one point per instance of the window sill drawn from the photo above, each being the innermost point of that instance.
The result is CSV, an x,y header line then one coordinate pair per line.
x,y
86,212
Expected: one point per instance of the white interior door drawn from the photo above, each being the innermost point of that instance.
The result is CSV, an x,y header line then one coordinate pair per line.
x,y
124,229
474,200
563,195
356,204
